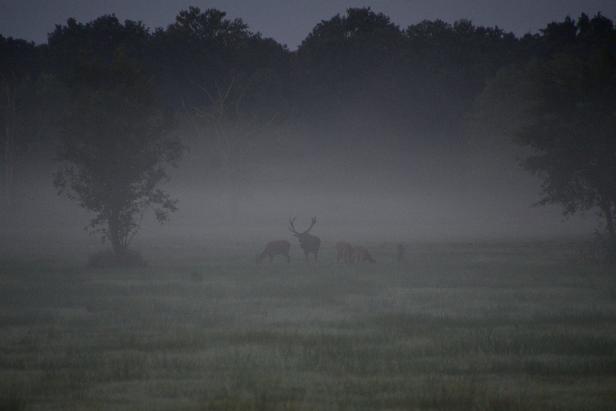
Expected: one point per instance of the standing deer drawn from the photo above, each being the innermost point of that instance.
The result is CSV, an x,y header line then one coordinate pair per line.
x,y
308,242
280,247
344,252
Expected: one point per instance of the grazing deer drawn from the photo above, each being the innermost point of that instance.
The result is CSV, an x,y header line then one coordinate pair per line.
x,y
344,252
362,255
280,247
309,243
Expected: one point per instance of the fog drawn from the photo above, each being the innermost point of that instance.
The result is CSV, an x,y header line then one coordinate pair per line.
x,y
357,189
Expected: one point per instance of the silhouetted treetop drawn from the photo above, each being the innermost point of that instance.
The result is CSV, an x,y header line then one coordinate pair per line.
x,y
205,49
356,26
18,58
209,27
86,52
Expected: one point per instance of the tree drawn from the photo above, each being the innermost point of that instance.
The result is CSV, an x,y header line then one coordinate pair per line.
x,y
18,72
447,66
114,155
206,49
565,111
347,62
116,143
229,82
233,130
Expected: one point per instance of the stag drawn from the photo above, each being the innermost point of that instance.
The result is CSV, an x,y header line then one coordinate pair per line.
x,y
273,248
344,252
308,242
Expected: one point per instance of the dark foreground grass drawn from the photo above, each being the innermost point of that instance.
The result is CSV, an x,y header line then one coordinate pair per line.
x,y
508,326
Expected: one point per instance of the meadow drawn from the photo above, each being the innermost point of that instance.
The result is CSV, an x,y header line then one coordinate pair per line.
x,y
458,326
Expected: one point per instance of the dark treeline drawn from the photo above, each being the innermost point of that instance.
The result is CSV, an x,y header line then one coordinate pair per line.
x,y
110,104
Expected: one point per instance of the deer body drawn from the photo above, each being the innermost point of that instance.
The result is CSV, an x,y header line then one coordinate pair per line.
x,y
344,252
309,243
273,248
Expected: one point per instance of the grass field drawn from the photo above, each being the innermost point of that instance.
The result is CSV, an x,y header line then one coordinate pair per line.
x,y
466,326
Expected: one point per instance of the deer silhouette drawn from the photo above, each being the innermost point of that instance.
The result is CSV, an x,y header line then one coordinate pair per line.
x,y
273,248
344,252
308,242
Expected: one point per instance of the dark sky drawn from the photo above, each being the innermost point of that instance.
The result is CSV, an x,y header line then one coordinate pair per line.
x,y
288,21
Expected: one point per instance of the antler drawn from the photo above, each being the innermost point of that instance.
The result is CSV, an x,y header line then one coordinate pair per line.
x,y
292,225
312,223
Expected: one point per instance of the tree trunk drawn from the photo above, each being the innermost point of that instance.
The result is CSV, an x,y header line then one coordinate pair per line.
x,y
117,242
